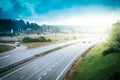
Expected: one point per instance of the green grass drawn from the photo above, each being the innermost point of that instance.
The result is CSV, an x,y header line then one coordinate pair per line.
x,y
54,38
37,44
95,66
4,48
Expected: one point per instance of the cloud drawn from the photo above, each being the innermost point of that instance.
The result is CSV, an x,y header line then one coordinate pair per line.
x,y
27,8
13,9
94,16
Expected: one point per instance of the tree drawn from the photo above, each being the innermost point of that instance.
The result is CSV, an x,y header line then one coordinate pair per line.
x,y
20,26
115,32
114,41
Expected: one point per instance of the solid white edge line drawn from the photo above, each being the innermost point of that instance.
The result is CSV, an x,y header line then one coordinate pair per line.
x,y
66,67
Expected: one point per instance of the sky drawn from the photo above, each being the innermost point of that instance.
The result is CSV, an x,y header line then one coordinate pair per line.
x,y
97,14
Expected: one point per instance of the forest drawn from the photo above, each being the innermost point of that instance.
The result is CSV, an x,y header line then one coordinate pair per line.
x,y
16,27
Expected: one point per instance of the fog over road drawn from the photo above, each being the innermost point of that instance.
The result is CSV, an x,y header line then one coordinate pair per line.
x,y
52,66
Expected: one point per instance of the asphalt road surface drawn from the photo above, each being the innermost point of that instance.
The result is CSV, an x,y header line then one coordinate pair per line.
x,y
19,54
52,66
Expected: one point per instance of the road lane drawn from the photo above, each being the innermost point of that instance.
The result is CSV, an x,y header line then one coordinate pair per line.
x,y
5,57
50,66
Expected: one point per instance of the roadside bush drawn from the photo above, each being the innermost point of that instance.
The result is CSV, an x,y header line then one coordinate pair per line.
x,y
35,40
40,39
112,47
49,40
26,39
114,41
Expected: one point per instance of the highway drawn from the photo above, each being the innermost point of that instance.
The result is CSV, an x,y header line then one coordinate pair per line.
x,y
19,54
52,66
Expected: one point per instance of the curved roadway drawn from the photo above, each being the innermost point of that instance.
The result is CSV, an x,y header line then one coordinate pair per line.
x,y
52,66
19,54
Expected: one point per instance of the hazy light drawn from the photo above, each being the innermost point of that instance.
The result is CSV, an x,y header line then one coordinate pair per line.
x,y
98,18
86,20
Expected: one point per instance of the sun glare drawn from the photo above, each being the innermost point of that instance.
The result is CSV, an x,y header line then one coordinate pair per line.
x,y
88,20
97,22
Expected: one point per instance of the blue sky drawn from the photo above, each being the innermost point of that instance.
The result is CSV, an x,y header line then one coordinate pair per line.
x,y
25,8
62,12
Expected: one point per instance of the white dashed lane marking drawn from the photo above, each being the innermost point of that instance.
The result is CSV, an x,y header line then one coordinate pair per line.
x,y
50,69
45,73
40,78
22,77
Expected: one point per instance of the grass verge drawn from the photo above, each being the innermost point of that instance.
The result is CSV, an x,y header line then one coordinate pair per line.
x,y
95,66
37,44
4,48
53,38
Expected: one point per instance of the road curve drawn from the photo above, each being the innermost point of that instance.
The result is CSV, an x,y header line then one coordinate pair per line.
x,y
18,55
52,66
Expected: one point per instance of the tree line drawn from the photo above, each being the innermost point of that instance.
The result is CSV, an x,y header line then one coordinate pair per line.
x,y
15,27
